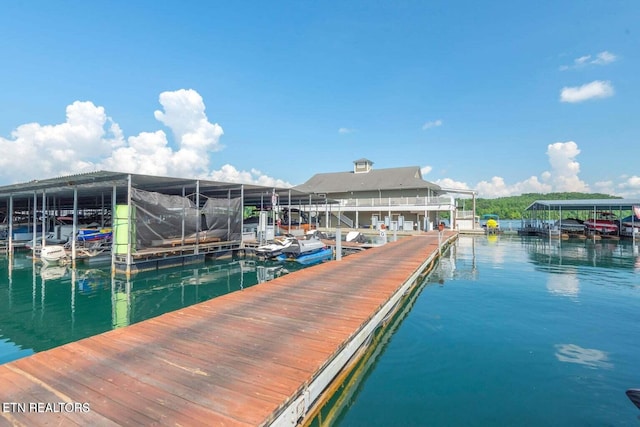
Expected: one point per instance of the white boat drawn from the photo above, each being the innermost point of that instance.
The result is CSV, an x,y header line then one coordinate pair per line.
x,y
274,248
53,253
301,246
356,237
630,225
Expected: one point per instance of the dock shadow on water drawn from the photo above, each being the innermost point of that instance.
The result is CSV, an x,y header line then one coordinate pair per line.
x,y
42,307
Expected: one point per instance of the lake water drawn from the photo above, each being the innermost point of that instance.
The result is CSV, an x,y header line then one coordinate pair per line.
x,y
506,330
512,331
45,307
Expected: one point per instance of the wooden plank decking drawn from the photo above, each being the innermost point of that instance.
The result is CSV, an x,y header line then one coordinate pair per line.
x,y
235,360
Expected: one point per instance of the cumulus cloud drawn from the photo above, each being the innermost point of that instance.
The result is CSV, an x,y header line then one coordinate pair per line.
x,y
229,173
593,90
563,175
50,150
564,168
630,187
602,58
89,140
432,124
425,170
450,183
497,187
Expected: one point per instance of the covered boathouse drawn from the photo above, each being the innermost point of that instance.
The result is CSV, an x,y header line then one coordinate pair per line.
x,y
154,222
595,218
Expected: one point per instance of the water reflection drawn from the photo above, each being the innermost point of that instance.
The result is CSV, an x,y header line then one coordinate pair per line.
x,y
42,307
599,253
590,357
566,284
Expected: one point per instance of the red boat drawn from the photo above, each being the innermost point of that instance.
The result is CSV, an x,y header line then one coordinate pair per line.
x,y
603,223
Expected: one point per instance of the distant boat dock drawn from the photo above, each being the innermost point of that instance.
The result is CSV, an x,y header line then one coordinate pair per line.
x,y
261,356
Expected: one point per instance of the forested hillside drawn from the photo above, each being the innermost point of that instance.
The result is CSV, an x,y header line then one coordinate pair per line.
x,y
513,207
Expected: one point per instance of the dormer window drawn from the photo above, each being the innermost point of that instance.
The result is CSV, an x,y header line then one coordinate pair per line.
x,y
362,165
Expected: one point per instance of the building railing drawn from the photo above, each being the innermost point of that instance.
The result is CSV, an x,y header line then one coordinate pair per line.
x,y
396,201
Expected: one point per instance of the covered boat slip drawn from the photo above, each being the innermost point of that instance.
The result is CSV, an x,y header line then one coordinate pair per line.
x,y
155,221
611,218
261,356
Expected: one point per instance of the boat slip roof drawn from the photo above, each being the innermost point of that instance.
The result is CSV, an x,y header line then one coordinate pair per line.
x,y
584,204
93,186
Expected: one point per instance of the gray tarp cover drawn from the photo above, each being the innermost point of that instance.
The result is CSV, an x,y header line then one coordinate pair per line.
x,y
161,219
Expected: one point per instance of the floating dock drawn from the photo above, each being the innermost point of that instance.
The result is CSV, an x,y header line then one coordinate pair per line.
x,y
261,356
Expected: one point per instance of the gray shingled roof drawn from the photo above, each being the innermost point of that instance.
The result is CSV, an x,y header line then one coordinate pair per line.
x,y
376,179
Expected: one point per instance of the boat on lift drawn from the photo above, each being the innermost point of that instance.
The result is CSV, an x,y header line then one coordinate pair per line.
x,y
301,246
53,253
602,223
275,248
92,234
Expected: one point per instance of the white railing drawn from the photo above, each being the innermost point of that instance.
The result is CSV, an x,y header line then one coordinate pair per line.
x,y
397,201
346,220
462,214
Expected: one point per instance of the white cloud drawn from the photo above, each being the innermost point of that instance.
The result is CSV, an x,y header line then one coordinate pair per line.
x,y
562,176
450,183
605,187
74,146
595,89
229,173
630,187
345,130
564,168
432,124
498,188
89,140
425,170
602,58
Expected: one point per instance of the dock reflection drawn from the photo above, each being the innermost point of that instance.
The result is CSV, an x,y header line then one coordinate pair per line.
x,y
598,253
42,307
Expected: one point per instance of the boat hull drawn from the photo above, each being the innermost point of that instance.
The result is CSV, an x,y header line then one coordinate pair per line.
x,y
603,227
302,246
53,253
309,258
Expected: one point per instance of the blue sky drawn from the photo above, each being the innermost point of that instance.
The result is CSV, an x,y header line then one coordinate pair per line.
x,y
503,97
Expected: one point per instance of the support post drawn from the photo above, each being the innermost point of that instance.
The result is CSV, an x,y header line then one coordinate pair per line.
x,y
229,215
44,219
242,214
129,227
74,228
113,230
35,225
198,219
182,219
10,215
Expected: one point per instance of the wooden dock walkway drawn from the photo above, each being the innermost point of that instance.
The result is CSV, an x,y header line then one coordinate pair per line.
x,y
258,356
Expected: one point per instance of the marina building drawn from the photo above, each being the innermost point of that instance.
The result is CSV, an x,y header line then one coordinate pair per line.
x,y
396,198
